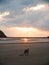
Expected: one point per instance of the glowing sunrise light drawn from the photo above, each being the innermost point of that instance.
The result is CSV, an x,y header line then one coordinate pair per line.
x,y
26,29
25,40
26,32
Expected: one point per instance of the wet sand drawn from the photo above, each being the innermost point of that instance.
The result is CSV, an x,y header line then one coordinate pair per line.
x,y
13,54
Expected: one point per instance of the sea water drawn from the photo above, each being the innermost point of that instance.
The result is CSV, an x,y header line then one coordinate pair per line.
x,y
24,40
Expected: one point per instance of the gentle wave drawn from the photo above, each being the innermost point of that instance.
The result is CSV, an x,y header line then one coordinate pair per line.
x,y
23,40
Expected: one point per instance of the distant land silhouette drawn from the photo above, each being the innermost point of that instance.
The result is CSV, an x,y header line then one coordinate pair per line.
x,y
48,37
2,35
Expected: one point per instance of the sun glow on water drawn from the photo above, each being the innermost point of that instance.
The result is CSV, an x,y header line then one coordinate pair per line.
x,y
25,40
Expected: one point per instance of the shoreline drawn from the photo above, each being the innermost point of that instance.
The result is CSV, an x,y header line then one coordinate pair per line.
x,y
25,43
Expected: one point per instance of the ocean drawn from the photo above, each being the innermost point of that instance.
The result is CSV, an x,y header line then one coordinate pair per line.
x,y
24,40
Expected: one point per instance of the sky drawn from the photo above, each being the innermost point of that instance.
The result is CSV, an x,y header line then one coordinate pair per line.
x,y
24,18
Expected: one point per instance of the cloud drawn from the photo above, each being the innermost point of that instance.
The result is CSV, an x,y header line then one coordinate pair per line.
x,y
4,14
36,19
5,1
33,2
15,14
47,1
27,2
34,8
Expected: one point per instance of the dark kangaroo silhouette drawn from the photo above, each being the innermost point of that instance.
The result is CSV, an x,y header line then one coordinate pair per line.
x,y
26,52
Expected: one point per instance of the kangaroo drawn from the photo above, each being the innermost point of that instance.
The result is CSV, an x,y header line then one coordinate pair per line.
x,y
26,52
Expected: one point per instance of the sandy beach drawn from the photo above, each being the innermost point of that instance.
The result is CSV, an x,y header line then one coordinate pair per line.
x,y
13,54
24,32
